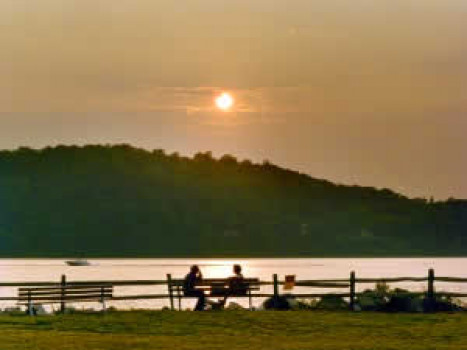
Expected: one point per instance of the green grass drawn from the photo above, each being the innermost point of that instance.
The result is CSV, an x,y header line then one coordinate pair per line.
x,y
234,330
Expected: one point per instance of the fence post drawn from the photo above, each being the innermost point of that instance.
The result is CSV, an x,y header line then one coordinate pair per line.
x,y
352,290
62,294
276,290
103,299
431,289
179,296
169,286
30,307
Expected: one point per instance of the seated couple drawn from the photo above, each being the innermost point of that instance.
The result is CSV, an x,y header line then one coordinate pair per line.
x,y
235,286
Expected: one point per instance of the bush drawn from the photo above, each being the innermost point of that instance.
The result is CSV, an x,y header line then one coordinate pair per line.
x,y
281,302
332,302
382,298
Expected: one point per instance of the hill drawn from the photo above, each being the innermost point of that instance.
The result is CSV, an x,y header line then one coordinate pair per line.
x,y
123,201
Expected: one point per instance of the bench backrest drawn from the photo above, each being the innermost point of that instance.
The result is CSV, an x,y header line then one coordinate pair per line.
x,y
209,281
250,284
61,293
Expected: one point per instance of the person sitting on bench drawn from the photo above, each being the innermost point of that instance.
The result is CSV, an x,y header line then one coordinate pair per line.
x,y
189,287
236,284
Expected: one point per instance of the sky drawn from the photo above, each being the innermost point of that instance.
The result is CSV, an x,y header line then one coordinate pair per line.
x,y
363,92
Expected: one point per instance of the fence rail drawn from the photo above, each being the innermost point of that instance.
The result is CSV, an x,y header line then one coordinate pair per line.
x,y
349,284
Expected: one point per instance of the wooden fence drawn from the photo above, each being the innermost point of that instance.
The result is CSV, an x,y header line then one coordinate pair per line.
x,y
347,284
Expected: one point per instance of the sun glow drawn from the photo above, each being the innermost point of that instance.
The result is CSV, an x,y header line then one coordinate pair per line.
x,y
222,268
224,101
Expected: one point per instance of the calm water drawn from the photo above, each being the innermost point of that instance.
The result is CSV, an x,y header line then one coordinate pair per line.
x,y
130,269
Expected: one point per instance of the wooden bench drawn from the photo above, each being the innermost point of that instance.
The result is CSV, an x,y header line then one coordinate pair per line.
x,y
213,287
63,294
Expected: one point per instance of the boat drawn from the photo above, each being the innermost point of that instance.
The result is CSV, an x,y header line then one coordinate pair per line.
x,y
78,262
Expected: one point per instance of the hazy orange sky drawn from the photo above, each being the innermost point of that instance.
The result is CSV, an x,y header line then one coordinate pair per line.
x,y
367,92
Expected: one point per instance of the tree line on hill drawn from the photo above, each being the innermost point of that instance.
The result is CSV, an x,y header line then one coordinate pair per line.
x,y
122,201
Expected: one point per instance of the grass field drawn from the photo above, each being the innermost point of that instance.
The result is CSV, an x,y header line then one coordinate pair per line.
x,y
234,330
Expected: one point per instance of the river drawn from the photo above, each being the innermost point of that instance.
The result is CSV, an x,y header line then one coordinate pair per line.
x,y
15,270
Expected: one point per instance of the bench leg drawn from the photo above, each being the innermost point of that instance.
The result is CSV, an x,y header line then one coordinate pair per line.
x,y
179,300
30,309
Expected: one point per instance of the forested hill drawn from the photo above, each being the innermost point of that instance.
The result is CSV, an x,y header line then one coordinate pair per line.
x,y
121,201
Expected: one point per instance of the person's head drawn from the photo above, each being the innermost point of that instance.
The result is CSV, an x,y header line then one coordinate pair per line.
x,y
237,269
194,269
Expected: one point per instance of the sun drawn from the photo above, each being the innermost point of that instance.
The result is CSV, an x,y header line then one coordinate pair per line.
x,y
224,101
